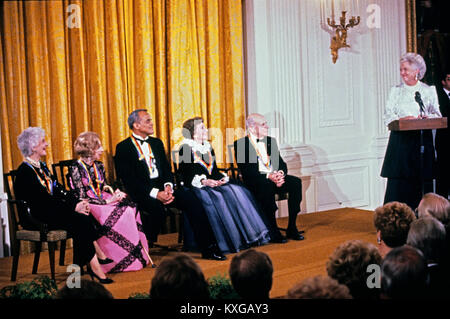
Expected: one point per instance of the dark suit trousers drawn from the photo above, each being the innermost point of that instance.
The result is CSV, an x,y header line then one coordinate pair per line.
x,y
264,193
186,201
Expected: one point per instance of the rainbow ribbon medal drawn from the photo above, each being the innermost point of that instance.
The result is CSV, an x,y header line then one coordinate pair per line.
x,y
266,164
46,181
142,156
209,166
96,190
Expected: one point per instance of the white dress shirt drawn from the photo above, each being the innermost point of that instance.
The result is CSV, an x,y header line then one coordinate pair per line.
x,y
261,147
401,102
151,162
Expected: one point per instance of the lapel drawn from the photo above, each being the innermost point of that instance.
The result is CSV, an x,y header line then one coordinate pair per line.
x,y
135,155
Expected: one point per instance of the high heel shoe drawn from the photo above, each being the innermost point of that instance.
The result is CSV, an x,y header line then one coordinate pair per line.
x,y
94,275
105,261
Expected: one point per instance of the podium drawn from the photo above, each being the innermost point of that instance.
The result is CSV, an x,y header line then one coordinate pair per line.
x,y
419,125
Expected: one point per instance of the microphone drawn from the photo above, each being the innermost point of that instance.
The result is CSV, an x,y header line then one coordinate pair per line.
x,y
420,102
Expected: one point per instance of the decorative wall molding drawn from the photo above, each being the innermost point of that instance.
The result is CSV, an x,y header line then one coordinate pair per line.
x,y
329,116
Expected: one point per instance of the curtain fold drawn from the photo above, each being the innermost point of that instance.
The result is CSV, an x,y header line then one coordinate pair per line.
x,y
176,58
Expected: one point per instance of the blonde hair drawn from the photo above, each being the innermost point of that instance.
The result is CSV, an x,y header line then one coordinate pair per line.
x,y
86,144
319,287
436,206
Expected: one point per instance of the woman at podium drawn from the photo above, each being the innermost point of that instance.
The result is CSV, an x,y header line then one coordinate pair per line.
x,y
402,166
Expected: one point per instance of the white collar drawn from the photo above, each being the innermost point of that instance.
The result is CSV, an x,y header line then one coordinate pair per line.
x,y
414,87
447,92
197,147
140,137
36,164
254,138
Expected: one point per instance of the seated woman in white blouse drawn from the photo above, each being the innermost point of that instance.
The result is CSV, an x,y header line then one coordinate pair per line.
x,y
402,165
231,209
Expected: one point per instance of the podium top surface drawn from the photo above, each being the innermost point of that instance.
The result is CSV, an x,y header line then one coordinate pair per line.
x,y
418,124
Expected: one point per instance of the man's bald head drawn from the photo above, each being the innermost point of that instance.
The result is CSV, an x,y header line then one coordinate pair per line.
x,y
257,125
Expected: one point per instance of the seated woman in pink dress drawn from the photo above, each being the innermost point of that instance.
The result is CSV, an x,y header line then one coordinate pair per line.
x,y
122,239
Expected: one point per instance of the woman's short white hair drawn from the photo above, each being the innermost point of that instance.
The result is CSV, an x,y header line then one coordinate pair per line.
x,y
416,61
29,139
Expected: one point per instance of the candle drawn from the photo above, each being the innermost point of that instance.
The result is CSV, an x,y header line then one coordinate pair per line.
x,y
332,9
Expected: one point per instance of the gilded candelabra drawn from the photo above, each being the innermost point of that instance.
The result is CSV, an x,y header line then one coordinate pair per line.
x,y
340,39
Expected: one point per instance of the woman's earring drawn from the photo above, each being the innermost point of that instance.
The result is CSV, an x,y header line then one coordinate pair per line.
x,y
417,77
378,241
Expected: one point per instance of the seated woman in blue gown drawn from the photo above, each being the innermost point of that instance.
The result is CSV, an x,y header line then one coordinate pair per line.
x,y
231,209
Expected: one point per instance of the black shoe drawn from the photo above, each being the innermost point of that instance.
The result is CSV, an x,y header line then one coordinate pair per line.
x,y
213,255
280,239
105,261
93,275
295,235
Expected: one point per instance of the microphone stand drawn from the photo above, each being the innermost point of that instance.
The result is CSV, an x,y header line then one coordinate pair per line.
x,y
422,146
422,155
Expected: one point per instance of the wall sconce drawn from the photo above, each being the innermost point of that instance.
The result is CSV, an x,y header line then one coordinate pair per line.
x,y
339,38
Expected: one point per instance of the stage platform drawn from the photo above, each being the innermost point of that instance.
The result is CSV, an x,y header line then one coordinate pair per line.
x,y
293,261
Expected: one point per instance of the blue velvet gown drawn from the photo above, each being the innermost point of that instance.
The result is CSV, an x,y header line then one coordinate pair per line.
x,y
232,211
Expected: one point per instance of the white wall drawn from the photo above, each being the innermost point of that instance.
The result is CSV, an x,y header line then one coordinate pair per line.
x,y
328,116
5,242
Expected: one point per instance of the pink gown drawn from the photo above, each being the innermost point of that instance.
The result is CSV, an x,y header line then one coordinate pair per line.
x,y
119,224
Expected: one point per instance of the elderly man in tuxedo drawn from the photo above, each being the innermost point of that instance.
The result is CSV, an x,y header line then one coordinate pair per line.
x,y
142,165
265,174
442,138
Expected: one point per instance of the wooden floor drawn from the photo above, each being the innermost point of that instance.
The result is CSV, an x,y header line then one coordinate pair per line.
x,y
292,261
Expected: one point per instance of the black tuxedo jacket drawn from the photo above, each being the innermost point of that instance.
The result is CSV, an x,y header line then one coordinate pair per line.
x,y
247,161
135,174
444,106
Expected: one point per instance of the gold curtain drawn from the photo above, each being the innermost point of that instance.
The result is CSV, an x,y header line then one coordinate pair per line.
x,y
73,66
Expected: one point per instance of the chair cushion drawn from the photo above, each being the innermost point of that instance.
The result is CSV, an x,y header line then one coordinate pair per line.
x,y
34,235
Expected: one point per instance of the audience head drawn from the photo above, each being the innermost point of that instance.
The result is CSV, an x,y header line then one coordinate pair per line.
x,y
348,265
392,222
257,125
29,140
428,235
436,206
404,274
191,128
140,122
319,287
251,274
87,144
88,290
412,67
179,277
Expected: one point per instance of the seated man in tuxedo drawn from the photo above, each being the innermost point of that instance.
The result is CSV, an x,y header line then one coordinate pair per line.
x,y
265,174
442,138
142,165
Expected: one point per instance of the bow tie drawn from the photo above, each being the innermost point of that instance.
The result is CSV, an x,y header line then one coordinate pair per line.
x,y
143,141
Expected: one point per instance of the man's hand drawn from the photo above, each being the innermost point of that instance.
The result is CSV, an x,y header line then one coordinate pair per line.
x,y
277,177
168,189
165,197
